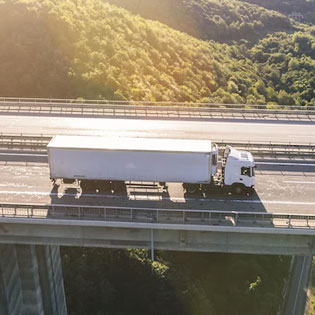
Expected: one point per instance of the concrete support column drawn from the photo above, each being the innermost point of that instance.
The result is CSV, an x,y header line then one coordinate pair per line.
x,y
51,280
11,298
31,280
296,297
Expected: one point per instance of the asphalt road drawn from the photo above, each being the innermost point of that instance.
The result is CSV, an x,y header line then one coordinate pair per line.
x,y
297,132
279,189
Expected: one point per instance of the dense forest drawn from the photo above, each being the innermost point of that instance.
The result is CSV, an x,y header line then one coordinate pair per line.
x,y
124,282
92,49
219,20
305,7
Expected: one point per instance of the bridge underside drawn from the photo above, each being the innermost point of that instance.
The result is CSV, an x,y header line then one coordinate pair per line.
x,y
163,237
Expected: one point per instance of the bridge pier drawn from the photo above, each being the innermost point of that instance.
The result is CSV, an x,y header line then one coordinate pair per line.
x,y
296,297
31,280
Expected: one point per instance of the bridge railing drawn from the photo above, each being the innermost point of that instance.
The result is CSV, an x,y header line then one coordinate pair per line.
x,y
158,216
103,107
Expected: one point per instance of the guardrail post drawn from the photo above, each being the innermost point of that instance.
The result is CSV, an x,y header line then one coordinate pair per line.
x,y
152,245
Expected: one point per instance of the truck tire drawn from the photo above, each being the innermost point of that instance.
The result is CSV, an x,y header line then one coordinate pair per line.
x,y
249,192
237,189
191,188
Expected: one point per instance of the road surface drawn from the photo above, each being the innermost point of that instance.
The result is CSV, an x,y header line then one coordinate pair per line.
x,y
279,189
214,130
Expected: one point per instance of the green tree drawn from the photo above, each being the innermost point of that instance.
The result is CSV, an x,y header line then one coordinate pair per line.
x,y
285,99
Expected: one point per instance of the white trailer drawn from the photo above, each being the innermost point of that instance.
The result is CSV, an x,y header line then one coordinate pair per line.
x,y
107,162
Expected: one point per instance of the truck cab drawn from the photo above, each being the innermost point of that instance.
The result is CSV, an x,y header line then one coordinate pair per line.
x,y
238,170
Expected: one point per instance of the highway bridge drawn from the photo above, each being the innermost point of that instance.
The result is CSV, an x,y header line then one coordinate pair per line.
x,y
36,217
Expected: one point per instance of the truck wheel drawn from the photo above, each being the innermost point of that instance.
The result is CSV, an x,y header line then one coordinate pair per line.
x,y
192,188
237,189
249,192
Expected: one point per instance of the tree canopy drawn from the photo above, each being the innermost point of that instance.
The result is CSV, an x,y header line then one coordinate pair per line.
x,y
305,7
121,282
93,49
219,20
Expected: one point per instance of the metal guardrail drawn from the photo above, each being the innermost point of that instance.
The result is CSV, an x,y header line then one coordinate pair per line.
x,y
158,216
25,142
143,108
273,149
38,143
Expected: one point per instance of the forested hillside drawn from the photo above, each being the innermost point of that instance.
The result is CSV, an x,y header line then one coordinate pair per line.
x,y
287,64
305,7
219,20
95,50
92,49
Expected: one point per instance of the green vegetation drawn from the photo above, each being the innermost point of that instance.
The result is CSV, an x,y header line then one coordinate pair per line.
x,y
287,65
305,7
122,282
219,20
92,49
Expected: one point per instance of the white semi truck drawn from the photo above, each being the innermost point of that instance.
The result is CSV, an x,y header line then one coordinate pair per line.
x,y
106,163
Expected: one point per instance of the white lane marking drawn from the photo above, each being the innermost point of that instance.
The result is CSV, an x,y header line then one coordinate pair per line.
x,y
296,182
283,164
151,198
23,154
299,284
